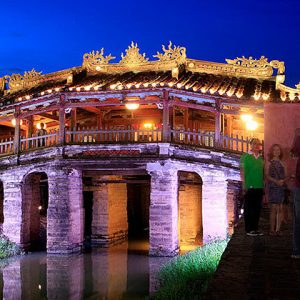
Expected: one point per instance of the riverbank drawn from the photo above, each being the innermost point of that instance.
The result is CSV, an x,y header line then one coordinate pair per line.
x,y
187,276
8,248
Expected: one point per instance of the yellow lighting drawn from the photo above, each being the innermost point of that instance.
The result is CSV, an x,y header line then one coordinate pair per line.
x,y
20,98
56,89
49,91
251,125
148,125
27,97
42,93
13,122
38,125
78,89
132,106
40,208
246,118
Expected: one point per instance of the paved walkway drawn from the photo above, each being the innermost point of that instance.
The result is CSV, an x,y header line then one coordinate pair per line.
x,y
257,267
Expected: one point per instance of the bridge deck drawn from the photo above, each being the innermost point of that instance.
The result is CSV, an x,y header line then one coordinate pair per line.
x,y
257,267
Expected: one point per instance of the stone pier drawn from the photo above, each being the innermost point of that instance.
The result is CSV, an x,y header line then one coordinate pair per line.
x,y
163,210
109,222
65,211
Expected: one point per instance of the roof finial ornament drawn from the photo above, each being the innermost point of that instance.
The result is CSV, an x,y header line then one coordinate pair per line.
x,y
172,53
93,61
133,55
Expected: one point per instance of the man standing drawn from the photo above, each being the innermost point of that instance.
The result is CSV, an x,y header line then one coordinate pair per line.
x,y
42,131
252,175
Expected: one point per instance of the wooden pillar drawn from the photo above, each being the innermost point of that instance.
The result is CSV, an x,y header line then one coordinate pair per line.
x,y
229,125
166,118
74,119
30,127
61,137
17,132
186,119
99,120
217,124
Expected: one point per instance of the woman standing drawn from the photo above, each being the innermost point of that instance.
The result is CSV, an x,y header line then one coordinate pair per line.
x,y
276,176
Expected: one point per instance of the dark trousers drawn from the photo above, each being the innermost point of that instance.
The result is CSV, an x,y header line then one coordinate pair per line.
x,y
252,208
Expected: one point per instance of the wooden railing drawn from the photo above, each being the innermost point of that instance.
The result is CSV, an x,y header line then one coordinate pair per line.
x,y
7,146
102,136
47,140
89,136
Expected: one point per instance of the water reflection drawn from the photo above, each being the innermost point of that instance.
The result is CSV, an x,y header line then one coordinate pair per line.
x,y
110,273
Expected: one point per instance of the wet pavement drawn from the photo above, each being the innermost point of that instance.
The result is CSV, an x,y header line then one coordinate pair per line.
x,y
257,267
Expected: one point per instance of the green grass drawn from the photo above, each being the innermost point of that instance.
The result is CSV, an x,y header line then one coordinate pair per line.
x,y
8,248
187,276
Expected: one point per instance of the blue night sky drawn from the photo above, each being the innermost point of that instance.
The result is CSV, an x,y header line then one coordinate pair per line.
x,y
53,35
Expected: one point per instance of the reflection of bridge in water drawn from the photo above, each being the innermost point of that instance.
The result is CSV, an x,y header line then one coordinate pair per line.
x,y
111,273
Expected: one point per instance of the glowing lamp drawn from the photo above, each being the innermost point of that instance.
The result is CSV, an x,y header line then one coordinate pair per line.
x,y
246,118
13,122
148,125
132,106
251,125
40,207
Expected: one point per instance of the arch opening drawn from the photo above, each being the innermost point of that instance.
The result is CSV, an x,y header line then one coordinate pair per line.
x,y
35,205
190,221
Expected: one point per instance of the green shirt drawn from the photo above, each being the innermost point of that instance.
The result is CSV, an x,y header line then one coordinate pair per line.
x,y
253,171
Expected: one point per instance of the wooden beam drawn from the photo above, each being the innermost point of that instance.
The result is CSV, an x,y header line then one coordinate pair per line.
x,y
48,116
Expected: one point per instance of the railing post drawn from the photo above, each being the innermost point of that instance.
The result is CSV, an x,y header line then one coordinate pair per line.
x,y
17,134
61,134
217,125
166,117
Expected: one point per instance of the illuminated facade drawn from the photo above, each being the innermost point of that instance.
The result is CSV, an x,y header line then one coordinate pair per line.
x,y
171,128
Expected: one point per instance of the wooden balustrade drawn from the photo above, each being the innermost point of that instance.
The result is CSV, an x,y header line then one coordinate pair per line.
x,y
102,136
7,146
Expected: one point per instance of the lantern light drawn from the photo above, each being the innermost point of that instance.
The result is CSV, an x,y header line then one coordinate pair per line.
x,y
13,122
132,106
251,125
148,125
246,117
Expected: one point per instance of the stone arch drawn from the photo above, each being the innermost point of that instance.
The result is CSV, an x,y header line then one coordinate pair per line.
x,y
190,220
35,195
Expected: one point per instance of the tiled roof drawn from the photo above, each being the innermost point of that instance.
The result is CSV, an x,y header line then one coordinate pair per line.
x,y
239,88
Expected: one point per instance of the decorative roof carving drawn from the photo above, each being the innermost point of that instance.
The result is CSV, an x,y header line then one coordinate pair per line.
x,y
17,81
261,63
2,84
249,62
133,55
177,53
94,60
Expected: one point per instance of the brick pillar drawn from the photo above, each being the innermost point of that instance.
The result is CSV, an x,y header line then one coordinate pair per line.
x,y
163,210
214,206
109,211
65,277
65,211
12,209
190,214
12,282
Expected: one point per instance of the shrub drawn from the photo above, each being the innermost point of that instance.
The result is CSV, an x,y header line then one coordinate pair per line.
x,y
187,276
8,248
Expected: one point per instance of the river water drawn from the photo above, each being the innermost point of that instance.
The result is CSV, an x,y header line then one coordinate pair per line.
x,y
119,272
